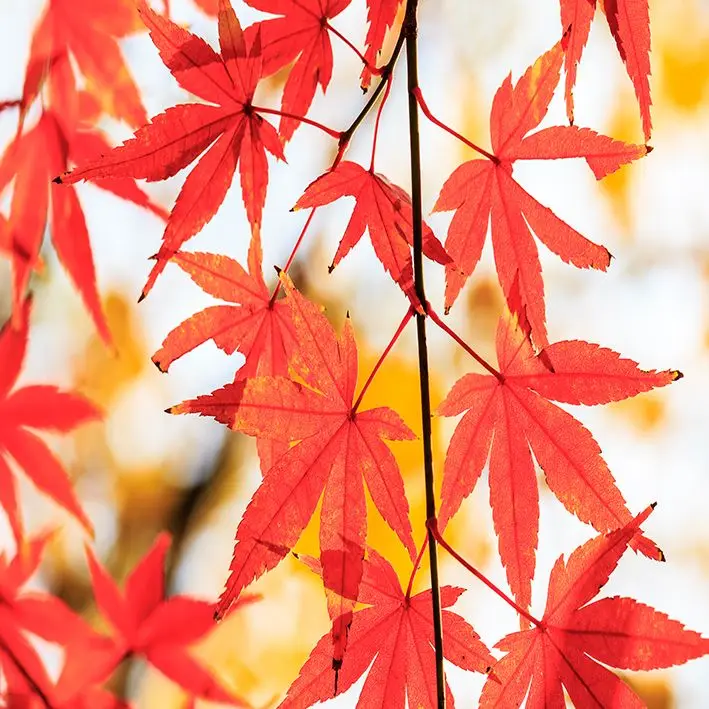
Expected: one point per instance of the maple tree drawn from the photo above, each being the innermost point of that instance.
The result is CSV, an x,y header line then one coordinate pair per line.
x,y
298,390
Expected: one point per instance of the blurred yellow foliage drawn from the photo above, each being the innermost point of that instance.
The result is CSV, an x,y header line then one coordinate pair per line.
x,y
646,412
623,125
655,691
100,373
682,53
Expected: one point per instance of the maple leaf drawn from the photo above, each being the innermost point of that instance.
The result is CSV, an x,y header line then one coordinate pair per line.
x,y
255,325
144,623
393,634
231,132
337,447
258,328
508,415
61,32
22,669
42,407
62,135
384,209
381,15
575,635
629,22
39,613
300,35
482,191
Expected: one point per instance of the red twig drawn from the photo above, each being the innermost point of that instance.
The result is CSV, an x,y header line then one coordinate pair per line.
x,y
380,361
415,569
376,123
448,129
303,119
480,360
295,248
432,525
375,70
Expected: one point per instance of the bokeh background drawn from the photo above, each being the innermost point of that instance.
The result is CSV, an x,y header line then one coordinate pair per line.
x,y
141,470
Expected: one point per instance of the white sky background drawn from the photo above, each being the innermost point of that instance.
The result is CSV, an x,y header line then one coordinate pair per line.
x,y
650,306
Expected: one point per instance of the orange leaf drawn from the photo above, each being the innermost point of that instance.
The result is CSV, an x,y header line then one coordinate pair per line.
x,y
629,22
337,449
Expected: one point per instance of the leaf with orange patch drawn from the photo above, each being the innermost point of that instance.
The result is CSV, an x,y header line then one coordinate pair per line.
x,y
337,448
255,325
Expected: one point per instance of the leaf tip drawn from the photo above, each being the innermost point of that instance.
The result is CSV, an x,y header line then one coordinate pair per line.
x,y
158,363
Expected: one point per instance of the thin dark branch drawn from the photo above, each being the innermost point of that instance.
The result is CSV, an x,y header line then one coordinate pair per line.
x,y
385,73
411,31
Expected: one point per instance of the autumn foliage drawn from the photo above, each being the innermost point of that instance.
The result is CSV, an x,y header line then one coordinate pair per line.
x,y
322,450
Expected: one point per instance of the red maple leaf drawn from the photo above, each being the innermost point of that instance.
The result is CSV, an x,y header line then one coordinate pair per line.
x,y
145,623
23,670
35,612
482,191
338,446
62,31
300,35
63,135
393,634
231,131
22,696
39,406
575,635
629,22
384,209
509,414
381,15
256,325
